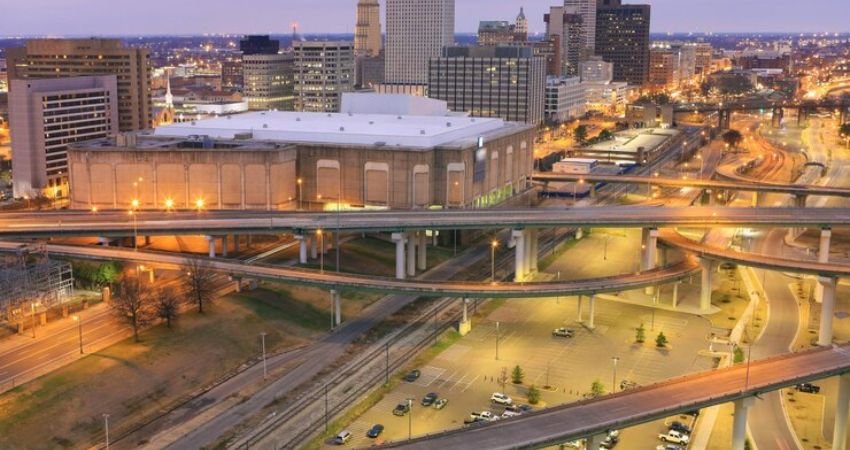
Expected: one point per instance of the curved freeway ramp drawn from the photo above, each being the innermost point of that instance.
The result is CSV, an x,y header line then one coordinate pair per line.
x,y
559,424
333,280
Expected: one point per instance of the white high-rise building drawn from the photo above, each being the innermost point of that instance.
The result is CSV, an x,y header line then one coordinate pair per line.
x,y
587,10
417,30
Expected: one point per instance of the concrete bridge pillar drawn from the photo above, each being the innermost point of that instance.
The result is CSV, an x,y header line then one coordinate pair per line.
x,y
236,240
412,237
421,252
399,239
676,294
520,255
314,247
739,424
591,324
211,243
336,299
823,257
224,245
649,252
302,248
839,434
706,285
465,325
800,200
580,317
531,244
757,198
827,310
103,241
595,442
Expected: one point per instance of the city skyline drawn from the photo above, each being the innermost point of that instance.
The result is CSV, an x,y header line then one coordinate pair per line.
x,y
97,17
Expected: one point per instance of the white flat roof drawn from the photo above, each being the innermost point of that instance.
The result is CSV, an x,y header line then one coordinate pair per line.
x,y
344,129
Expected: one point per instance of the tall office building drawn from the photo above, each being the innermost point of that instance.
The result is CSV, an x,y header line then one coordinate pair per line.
x,y
569,31
259,45
663,66
496,32
367,33
521,26
704,53
417,30
323,71
504,82
267,76
63,58
622,38
586,9
46,116
231,73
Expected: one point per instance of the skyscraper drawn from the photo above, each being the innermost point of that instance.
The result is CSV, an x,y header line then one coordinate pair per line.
x,y
266,74
521,26
417,30
586,9
622,38
323,71
367,33
63,58
568,29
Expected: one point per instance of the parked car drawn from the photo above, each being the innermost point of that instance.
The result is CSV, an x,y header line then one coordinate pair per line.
x,y
518,408
483,416
429,399
501,399
412,376
402,408
680,427
440,403
342,437
508,414
808,388
563,332
674,437
375,431
625,385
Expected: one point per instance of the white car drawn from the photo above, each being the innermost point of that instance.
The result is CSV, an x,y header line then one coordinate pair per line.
x,y
675,437
501,399
508,414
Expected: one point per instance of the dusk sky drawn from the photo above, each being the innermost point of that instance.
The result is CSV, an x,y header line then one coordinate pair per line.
x,y
100,17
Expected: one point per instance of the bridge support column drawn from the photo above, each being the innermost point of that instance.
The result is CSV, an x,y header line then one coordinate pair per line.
x,y
757,199
211,242
739,424
302,248
823,257
224,245
649,253
827,310
706,285
399,239
411,253
465,325
337,307
839,434
520,257
580,317
236,243
147,240
595,442
531,244
103,241
314,247
591,320
800,200
676,294
421,252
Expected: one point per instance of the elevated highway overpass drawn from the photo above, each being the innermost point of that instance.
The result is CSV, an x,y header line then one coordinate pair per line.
x,y
591,419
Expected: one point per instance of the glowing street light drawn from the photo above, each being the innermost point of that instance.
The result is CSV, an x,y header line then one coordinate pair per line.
x,y
300,193
493,246
199,204
321,251
169,204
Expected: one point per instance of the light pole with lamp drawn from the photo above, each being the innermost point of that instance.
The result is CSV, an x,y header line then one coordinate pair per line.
x,y
79,321
134,204
300,194
493,246
615,360
410,419
263,341
497,341
106,429
321,251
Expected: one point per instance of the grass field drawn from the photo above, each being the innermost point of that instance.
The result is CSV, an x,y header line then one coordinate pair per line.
x,y
133,382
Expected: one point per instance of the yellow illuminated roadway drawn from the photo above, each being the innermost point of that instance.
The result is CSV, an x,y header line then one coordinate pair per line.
x,y
117,223
390,285
697,183
558,424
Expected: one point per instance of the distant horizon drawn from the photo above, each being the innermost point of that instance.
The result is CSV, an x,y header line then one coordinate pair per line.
x,y
193,17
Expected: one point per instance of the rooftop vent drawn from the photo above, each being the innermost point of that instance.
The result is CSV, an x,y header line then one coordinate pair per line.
x,y
265,125
194,123
371,122
398,117
449,124
298,119
228,117
380,144
422,132
341,128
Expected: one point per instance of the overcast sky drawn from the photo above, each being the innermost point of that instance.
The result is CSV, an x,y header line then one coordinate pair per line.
x,y
125,17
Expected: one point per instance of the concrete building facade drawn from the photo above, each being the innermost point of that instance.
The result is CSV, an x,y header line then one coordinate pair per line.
x,y
417,30
504,82
63,58
48,115
324,70
565,99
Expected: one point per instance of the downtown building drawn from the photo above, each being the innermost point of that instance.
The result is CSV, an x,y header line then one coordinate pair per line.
x,y
369,63
567,30
417,30
46,117
505,82
622,38
267,74
324,70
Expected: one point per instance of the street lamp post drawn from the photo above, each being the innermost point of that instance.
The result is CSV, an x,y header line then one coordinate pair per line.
x,y
410,420
106,429
615,360
79,321
263,340
493,246
300,194
321,251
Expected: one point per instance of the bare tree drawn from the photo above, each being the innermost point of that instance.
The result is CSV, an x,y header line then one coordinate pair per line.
x,y
200,289
167,305
134,304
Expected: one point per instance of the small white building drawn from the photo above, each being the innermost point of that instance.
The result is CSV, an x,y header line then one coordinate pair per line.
x,y
575,166
565,99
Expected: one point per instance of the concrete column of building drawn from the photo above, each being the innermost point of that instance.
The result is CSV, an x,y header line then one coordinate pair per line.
x,y
591,324
839,434
421,252
302,248
399,239
705,285
520,255
739,424
337,308
580,318
412,237
211,242
827,310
